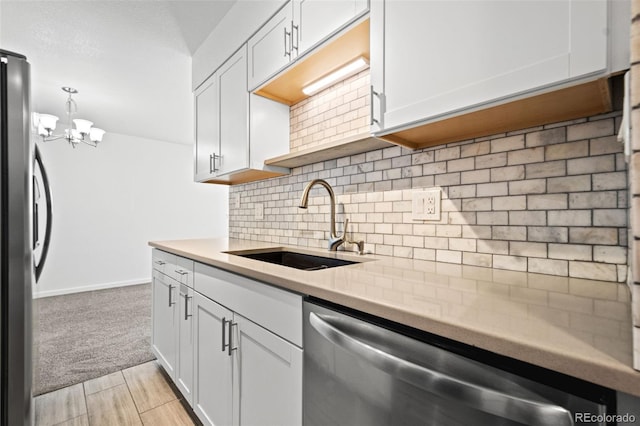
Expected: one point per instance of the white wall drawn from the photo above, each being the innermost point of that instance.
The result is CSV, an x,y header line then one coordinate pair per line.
x,y
108,202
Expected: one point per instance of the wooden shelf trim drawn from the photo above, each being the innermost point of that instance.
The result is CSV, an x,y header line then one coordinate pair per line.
x,y
329,151
563,104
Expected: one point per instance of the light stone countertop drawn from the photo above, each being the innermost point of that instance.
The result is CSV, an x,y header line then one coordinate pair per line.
x,y
578,327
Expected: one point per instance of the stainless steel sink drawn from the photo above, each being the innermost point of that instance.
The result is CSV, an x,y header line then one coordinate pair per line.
x,y
306,262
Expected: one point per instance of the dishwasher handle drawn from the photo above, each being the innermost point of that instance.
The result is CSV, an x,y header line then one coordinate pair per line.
x,y
484,399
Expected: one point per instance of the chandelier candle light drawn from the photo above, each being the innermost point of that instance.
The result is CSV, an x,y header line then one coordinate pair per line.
x,y
84,132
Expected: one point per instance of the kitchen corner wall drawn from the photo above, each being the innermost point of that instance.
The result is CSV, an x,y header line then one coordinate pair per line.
x,y
634,178
550,199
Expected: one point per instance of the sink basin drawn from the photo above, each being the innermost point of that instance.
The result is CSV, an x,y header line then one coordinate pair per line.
x,y
291,259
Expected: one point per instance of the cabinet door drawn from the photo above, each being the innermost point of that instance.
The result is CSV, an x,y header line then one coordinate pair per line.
x,y
184,366
270,48
212,393
315,20
234,113
207,130
270,376
165,319
442,57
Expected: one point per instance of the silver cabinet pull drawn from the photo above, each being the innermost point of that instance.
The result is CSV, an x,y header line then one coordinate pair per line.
x,y
159,262
372,94
516,408
171,302
287,34
224,333
181,272
186,307
230,347
212,162
294,46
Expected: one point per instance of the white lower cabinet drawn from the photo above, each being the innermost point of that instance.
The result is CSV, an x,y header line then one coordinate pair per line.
x,y
269,378
185,341
164,321
213,400
232,346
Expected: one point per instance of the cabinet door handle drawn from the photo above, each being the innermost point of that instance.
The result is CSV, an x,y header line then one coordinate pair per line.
x,y
287,34
294,46
372,94
171,302
159,262
181,272
212,162
186,307
224,333
230,347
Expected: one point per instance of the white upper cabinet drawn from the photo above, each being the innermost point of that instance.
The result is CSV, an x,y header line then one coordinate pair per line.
x,y
315,20
430,59
299,26
234,132
207,131
234,113
270,48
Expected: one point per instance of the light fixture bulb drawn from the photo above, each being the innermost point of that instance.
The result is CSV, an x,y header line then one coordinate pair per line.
x,y
96,134
341,73
83,126
47,121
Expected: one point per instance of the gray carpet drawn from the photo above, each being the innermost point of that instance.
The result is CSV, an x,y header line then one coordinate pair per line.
x,y
82,336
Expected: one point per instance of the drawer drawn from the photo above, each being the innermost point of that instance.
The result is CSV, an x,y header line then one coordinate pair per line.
x,y
184,271
279,311
165,263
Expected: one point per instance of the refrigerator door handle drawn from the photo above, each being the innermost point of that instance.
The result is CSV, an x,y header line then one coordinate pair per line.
x,y
47,197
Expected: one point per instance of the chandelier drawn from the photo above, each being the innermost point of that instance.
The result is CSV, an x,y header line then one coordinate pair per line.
x,y
83,131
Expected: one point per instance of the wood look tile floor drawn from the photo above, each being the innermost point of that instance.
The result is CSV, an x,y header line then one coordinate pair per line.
x,y
139,395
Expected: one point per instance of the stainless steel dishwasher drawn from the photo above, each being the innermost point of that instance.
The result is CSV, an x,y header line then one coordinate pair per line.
x,y
360,374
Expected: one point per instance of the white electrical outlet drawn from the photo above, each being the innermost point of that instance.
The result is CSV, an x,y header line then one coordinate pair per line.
x,y
237,201
426,204
259,211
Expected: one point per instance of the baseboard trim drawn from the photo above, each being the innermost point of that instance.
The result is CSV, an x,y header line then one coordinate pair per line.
x,y
60,292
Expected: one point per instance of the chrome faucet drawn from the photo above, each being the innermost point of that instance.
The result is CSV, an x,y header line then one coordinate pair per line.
x,y
334,240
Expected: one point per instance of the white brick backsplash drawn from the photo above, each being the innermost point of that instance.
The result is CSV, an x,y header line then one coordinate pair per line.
x,y
546,137
512,263
603,163
570,251
548,266
593,271
567,150
590,129
507,144
569,217
607,236
477,259
549,200
510,203
448,256
507,173
532,186
527,249
525,156
569,184
604,181
491,160
477,176
610,254
546,169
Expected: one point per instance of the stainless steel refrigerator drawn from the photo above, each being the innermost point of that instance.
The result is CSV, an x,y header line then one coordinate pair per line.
x,y
17,156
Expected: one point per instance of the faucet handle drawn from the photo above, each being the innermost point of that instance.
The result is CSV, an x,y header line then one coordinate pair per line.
x,y
344,229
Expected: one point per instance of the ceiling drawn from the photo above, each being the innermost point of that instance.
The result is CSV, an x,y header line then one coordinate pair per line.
x,y
130,60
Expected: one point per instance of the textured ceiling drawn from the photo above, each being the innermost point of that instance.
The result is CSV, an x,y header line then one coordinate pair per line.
x,y
129,60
